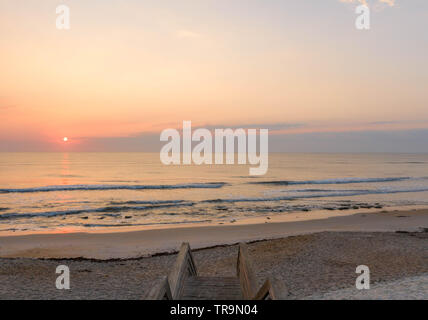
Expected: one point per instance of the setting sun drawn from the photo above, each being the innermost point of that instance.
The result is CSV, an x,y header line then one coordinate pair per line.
x,y
65,139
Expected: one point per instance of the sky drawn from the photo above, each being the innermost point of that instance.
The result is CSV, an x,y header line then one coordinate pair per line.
x,y
128,69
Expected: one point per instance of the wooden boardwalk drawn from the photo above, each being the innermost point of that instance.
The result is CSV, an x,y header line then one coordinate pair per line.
x,y
183,282
212,288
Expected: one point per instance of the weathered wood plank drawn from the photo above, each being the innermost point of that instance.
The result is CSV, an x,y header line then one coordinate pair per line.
x,y
184,267
245,273
183,282
212,288
161,291
272,290
264,291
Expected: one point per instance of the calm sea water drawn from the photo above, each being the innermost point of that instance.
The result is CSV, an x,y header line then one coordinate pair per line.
x,y
83,191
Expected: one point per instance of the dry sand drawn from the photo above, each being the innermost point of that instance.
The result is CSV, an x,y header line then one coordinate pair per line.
x,y
308,265
410,288
317,263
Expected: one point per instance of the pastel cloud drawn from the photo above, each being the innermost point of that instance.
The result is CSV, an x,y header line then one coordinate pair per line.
x,y
391,3
187,34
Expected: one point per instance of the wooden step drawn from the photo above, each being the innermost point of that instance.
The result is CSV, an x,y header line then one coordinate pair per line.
x,y
211,288
183,282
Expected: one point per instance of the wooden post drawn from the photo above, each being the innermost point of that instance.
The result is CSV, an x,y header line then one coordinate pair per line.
x,y
271,290
245,273
184,267
160,292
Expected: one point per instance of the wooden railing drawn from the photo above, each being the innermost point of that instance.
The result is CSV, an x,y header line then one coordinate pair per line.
x,y
183,268
171,287
248,280
160,292
245,273
271,290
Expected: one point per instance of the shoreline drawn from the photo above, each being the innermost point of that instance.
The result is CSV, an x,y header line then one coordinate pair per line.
x,y
288,217
147,242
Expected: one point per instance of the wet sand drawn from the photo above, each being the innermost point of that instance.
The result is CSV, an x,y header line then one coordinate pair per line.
x,y
134,244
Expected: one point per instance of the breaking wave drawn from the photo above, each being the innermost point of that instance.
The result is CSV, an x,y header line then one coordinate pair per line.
x,y
90,210
89,187
333,181
321,194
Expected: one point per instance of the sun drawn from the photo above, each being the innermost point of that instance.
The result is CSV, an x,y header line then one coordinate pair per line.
x,y
65,139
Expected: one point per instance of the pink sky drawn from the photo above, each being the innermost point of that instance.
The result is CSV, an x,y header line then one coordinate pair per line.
x,y
127,68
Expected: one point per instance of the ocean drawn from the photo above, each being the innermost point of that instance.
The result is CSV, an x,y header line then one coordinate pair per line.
x,y
72,192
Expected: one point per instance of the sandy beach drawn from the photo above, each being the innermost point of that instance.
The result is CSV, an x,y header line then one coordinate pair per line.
x,y
145,242
160,149
310,265
313,258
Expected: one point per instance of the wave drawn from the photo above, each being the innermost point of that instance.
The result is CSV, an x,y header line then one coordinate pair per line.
x,y
88,187
48,214
147,202
333,193
316,190
407,162
333,181
115,208
144,224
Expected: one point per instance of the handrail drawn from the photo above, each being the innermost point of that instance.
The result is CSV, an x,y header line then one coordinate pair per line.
x,y
171,287
271,291
161,291
183,268
245,273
